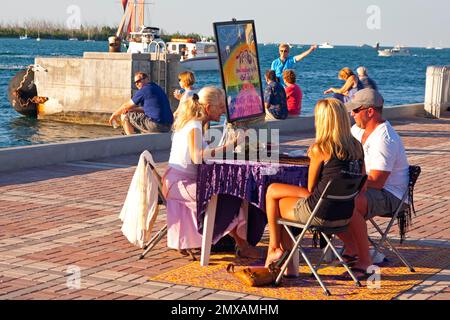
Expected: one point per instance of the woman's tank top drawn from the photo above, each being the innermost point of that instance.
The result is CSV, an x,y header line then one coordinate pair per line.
x,y
334,168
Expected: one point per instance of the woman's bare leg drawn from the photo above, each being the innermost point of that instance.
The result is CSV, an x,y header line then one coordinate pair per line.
x,y
275,193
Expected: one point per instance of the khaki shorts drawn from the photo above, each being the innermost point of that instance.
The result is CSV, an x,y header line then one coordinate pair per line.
x,y
303,213
144,124
380,203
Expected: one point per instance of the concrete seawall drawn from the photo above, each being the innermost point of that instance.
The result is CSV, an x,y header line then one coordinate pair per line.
x,y
18,158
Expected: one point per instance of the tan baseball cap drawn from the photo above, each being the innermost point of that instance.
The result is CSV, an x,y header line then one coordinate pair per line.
x,y
365,98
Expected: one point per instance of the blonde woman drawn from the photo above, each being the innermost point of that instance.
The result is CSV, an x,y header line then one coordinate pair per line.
x,y
350,87
334,152
188,150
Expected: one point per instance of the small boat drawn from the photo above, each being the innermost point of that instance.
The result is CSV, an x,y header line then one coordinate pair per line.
x,y
73,39
396,51
326,45
25,37
438,48
38,37
146,40
195,55
89,38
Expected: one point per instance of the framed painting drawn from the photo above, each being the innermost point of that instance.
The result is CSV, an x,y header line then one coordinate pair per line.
x,y
239,65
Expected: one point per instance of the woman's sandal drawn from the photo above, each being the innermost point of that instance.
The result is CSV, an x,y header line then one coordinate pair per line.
x,y
348,259
360,274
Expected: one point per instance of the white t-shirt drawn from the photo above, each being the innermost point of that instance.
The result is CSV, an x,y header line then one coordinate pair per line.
x,y
384,151
180,158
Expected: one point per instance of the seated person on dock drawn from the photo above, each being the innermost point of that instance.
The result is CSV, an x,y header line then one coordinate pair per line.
x,y
294,94
335,153
351,86
186,80
148,110
366,81
274,98
180,181
387,169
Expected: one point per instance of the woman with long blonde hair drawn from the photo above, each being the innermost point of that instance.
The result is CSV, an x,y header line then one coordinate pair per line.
x,y
334,153
180,181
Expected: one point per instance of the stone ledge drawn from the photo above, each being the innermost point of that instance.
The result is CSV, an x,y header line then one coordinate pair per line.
x,y
18,158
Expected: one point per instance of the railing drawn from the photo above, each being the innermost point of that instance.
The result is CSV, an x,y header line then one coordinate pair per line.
x,y
160,48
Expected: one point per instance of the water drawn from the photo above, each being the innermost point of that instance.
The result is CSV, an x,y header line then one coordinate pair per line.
x,y
401,81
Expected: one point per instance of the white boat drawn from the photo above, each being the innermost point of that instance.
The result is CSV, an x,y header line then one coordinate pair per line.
x,y
396,51
25,37
195,55
326,45
38,37
438,48
89,38
146,40
73,39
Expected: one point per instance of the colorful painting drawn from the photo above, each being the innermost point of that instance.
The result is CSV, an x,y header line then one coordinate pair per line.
x,y
238,57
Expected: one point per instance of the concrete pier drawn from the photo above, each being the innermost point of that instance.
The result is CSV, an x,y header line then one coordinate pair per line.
x,y
87,90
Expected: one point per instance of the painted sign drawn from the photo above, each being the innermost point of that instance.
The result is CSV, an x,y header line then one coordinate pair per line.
x,y
239,63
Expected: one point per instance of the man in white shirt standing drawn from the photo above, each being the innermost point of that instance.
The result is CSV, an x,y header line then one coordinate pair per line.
x,y
387,169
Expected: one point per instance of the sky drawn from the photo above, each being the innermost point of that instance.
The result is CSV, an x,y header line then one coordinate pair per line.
x,y
344,22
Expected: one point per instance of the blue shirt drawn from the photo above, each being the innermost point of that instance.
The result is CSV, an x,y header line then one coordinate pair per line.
x,y
278,66
155,103
275,95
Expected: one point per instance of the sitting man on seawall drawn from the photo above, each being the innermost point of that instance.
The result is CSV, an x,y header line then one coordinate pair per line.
x,y
387,169
148,110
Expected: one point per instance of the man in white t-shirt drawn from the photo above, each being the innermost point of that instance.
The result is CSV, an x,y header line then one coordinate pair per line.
x,y
387,169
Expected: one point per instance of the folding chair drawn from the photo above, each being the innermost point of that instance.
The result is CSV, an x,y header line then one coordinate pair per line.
x,y
403,214
161,201
337,190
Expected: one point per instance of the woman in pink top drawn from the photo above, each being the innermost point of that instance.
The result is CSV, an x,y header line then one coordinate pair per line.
x,y
294,94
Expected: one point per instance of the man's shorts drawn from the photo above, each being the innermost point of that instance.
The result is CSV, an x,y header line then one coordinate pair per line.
x,y
381,203
144,124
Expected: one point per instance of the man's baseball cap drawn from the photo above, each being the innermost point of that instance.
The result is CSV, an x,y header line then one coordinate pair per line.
x,y
365,98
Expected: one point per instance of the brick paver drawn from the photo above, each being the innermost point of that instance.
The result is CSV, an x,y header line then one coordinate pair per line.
x,y
66,215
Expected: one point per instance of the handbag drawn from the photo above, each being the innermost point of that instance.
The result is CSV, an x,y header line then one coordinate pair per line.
x,y
258,276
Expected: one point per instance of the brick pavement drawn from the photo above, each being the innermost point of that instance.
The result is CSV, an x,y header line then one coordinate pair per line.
x,y
55,217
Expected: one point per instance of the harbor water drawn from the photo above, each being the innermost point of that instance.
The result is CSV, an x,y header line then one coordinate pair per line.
x,y
401,80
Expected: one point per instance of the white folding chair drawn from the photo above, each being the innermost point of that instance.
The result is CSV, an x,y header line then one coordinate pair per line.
x,y
161,201
403,214
337,190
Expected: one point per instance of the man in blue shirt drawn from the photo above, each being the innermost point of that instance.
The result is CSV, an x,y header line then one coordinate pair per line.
x,y
285,62
148,110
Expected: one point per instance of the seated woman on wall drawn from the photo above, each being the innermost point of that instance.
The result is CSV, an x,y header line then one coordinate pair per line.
x,y
351,86
334,152
180,181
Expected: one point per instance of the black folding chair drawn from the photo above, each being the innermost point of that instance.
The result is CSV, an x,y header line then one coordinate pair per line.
x,y
337,190
403,213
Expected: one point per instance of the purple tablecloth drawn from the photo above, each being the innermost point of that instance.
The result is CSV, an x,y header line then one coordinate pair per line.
x,y
242,180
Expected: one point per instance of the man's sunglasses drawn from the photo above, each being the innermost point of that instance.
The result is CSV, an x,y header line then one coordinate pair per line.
x,y
284,50
139,81
358,110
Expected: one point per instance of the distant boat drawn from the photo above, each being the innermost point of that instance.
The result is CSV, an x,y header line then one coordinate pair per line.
x,y
438,48
428,48
326,45
396,51
25,37
89,38
73,39
39,37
